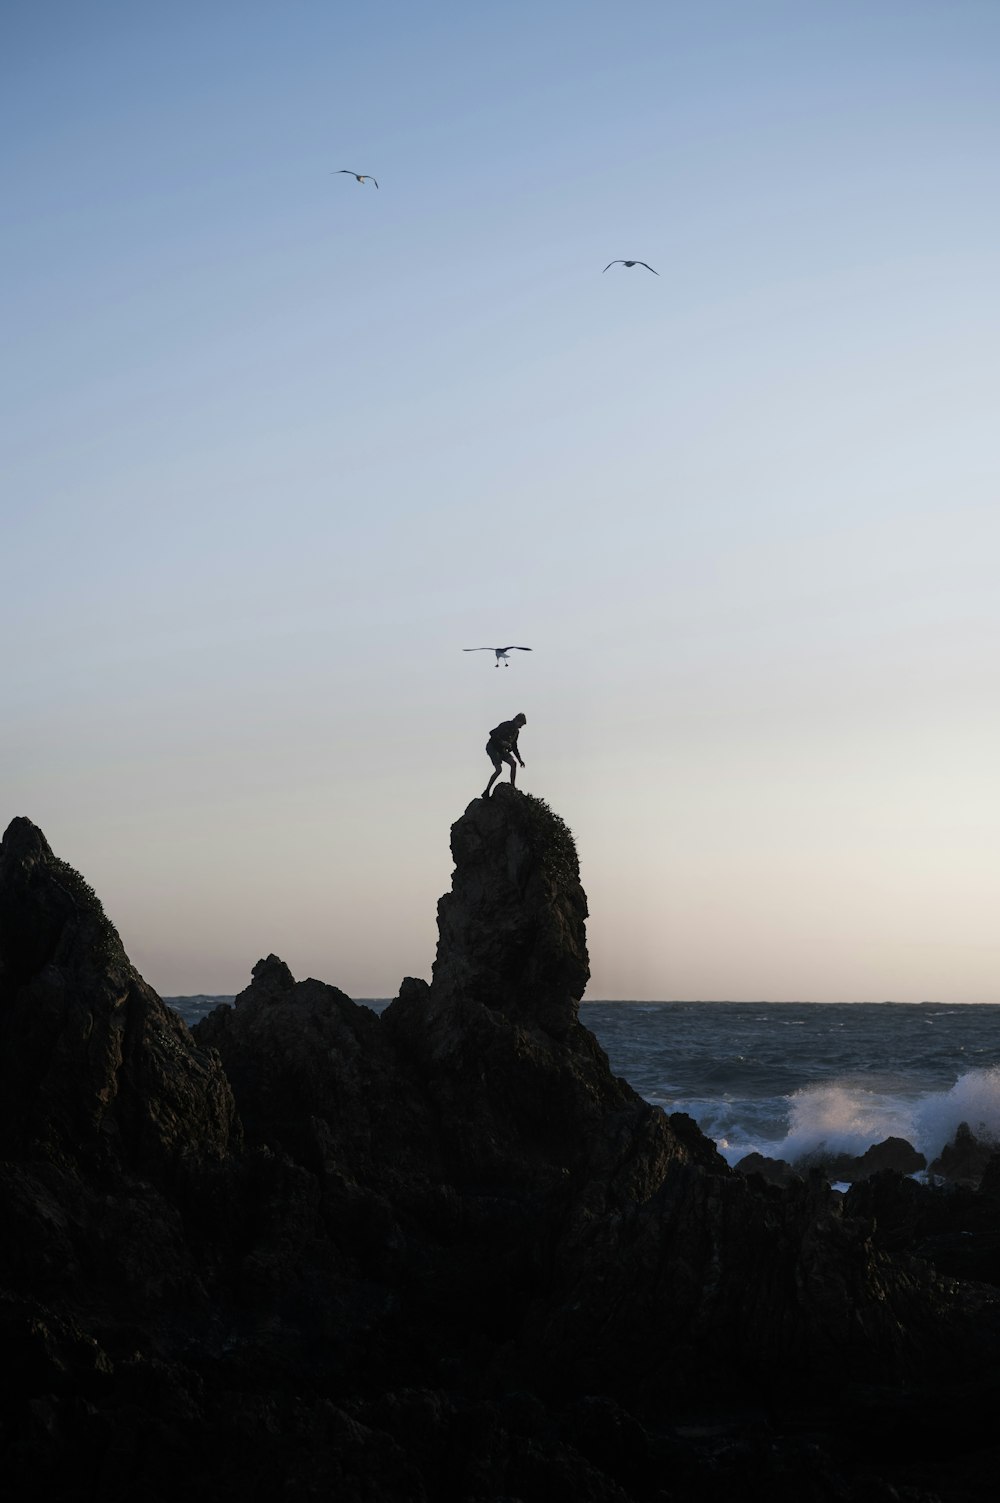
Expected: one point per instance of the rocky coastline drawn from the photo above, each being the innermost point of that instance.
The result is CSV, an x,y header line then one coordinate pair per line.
x,y
304,1251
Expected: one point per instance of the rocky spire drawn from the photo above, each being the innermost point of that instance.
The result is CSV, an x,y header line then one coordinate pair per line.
x,y
512,930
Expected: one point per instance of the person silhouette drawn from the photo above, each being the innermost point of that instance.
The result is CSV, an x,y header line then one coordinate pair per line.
x,y
502,747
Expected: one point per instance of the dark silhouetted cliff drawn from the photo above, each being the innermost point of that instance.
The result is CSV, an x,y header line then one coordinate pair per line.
x,y
438,1254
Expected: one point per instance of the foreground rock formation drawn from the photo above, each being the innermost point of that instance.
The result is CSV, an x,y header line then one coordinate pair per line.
x,y
438,1254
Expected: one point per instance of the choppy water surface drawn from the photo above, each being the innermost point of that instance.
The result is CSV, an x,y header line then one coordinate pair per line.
x,y
784,1078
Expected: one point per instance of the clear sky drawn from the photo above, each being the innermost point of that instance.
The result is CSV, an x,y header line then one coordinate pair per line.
x,y
277,446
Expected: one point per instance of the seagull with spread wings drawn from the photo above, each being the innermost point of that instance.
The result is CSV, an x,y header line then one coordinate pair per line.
x,y
633,263
362,177
501,652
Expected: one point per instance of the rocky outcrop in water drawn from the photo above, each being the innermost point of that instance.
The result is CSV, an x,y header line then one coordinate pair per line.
x,y
965,1159
891,1153
441,1254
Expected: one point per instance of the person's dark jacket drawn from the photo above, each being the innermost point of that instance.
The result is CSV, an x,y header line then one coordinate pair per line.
x,y
503,737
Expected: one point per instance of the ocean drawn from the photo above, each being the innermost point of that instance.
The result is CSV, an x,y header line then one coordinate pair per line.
x,y
788,1078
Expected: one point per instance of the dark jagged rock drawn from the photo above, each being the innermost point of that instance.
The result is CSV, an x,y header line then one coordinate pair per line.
x,y
522,1091
892,1153
772,1171
952,1227
963,1161
441,1254
93,1067
512,929
301,1057
989,1185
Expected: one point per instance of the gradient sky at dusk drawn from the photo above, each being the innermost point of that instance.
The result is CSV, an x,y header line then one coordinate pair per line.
x,y
276,447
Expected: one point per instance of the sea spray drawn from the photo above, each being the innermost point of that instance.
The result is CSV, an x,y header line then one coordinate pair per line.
x,y
973,1099
847,1117
844,1117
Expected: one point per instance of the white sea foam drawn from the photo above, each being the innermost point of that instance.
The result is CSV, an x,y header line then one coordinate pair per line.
x,y
846,1116
974,1098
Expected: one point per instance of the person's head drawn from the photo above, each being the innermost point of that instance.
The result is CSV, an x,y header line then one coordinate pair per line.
x,y
520,720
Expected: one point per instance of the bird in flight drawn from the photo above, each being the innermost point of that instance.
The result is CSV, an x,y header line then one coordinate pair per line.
x,y
501,652
362,177
634,263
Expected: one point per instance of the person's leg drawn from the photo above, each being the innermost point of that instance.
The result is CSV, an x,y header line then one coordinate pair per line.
x,y
509,759
497,770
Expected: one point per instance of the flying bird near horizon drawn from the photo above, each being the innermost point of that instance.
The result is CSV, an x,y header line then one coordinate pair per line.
x,y
362,177
634,263
501,652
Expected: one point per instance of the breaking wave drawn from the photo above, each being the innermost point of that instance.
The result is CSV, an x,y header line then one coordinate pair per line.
x,y
848,1116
